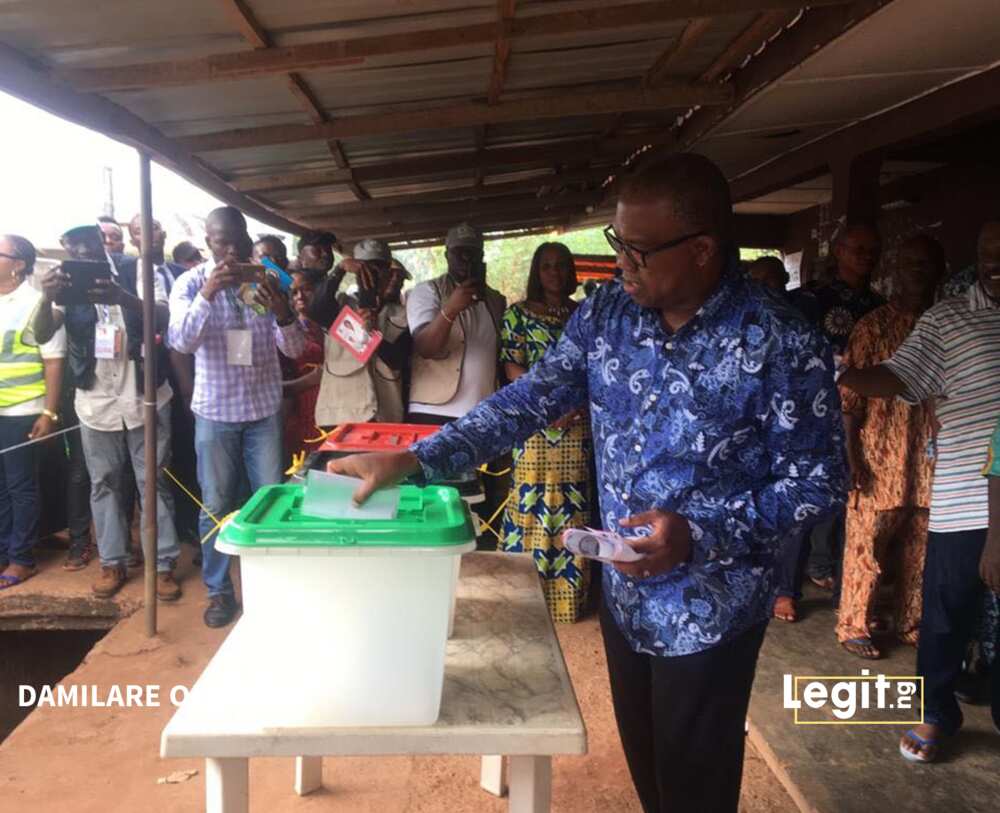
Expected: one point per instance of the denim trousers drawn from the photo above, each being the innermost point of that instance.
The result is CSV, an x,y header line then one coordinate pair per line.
x,y
19,501
116,462
230,456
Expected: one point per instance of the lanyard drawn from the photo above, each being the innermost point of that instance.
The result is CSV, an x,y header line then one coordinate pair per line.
x,y
238,307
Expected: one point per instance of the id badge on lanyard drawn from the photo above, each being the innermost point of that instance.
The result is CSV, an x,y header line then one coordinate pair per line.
x,y
107,337
239,341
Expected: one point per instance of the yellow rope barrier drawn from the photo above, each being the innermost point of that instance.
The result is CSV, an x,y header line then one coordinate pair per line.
x,y
488,524
218,522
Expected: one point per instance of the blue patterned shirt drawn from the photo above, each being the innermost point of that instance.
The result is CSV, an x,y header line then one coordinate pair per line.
x,y
733,422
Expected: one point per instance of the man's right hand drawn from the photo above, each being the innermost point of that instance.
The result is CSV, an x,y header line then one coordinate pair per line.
x,y
379,470
54,283
463,296
861,473
222,276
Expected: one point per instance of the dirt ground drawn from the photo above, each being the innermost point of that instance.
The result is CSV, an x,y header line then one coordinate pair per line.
x,y
78,760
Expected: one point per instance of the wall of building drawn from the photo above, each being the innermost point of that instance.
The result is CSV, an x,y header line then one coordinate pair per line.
x,y
950,203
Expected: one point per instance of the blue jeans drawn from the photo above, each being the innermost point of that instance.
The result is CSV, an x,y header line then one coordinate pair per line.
x,y
229,456
19,504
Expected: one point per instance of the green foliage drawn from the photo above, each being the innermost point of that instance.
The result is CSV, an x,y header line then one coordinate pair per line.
x,y
508,261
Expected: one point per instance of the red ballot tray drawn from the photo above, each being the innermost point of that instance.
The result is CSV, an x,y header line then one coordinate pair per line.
x,y
375,437
355,438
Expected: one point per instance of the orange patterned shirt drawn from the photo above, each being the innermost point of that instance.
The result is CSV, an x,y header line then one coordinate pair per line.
x,y
894,436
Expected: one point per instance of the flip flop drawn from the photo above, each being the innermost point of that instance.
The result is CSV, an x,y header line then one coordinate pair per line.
x,y
826,583
919,757
6,582
861,642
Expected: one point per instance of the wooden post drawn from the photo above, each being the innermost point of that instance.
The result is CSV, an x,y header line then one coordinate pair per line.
x,y
149,528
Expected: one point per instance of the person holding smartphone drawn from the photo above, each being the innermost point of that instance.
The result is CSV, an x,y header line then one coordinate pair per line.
x,y
106,358
455,320
354,390
237,384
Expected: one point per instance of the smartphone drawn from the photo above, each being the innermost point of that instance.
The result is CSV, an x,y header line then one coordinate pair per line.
x,y
478,275
83,276
249,272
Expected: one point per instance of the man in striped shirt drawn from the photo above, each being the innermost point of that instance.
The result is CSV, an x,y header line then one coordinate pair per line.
x,y
952,355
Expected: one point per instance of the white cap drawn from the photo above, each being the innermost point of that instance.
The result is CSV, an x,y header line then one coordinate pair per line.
x,y
372,249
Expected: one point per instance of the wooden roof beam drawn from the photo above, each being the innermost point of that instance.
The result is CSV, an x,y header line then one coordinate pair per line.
x,y
353,52
535,185
506,158
526,206
764,27
660,70
675,95
254,33
21,78
431,231
817,28
501,49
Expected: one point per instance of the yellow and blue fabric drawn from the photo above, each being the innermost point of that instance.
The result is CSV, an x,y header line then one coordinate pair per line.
x,y
551,489
992,467
733,421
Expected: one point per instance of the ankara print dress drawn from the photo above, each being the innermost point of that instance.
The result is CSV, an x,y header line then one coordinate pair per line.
x,y
551,479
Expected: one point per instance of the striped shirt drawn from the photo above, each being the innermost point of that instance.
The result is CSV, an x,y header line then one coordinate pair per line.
x,y
953,355
222,391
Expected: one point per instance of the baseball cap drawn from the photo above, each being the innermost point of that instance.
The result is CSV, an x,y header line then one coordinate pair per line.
x,y
372,249
463,236
397,264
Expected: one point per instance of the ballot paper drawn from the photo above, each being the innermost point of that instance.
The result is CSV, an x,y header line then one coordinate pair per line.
x,y
332,496
601,545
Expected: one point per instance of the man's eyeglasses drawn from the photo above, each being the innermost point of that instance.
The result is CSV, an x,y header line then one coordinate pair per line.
x,y
639,257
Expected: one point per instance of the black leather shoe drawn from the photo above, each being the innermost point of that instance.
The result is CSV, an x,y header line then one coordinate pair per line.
x,y
221,610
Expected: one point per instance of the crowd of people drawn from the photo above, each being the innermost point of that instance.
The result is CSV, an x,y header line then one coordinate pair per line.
x,y
743,437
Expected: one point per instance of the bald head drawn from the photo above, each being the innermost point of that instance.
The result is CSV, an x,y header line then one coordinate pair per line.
x,y
692,186
226,234
857,249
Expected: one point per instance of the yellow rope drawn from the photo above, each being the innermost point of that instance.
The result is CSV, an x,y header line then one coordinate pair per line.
x,y
488,524
322,435
197,502
297,461
484,470
218,522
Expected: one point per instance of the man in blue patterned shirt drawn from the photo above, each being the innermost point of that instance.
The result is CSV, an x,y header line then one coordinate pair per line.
x,y
717,431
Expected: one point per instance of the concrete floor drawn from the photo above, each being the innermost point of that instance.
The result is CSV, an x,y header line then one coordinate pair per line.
x,y
857,768
78,760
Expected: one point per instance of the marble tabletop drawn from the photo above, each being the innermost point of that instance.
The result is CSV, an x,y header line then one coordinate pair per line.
x,y
506,688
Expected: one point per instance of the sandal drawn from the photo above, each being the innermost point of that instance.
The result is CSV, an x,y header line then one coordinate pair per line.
x,y
862,648
922,756
8,581
785,609
826,583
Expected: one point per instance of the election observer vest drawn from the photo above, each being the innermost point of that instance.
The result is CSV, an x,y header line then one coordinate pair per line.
x,y
22,375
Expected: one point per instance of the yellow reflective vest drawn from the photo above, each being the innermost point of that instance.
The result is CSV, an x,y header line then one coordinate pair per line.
x,y
22,375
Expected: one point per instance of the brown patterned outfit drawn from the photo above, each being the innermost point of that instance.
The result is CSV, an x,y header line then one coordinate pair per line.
x,y
894,439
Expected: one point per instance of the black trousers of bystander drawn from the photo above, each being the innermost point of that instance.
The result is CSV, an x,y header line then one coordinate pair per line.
x,y
682,720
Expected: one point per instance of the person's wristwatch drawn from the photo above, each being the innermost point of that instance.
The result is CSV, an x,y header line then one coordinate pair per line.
x,y
52,416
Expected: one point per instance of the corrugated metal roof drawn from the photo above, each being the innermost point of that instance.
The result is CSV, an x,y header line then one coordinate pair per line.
x,y
420,158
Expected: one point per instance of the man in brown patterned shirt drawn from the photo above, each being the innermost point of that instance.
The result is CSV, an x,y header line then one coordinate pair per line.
x,y
887,443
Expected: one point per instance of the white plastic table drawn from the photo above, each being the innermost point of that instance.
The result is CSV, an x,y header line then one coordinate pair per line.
x,y
506,692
